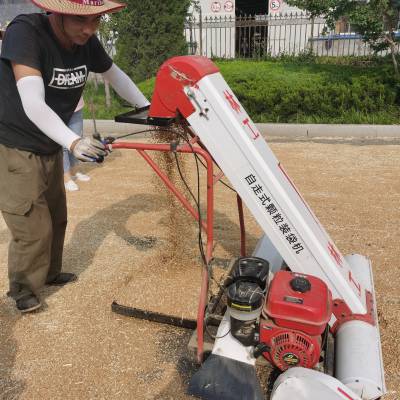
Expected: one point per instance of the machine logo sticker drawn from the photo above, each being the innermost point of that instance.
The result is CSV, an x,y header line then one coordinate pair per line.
x,y
294,300
69,78
254,132
291,359
248,124
179,76
276,215
335,254
232,102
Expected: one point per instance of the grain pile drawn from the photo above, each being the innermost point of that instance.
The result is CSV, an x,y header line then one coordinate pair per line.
x,y
172,260
117,241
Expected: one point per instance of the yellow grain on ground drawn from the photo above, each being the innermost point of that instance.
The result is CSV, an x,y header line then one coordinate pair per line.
x,y
127,241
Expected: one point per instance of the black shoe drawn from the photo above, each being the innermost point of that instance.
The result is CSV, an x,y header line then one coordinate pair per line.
x,y
28,303
63,278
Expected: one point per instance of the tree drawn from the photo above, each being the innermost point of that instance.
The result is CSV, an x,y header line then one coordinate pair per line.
x,y
149,32
376,20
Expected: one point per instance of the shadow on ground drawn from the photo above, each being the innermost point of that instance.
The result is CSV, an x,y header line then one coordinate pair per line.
x,y
4,236
96,228
10,387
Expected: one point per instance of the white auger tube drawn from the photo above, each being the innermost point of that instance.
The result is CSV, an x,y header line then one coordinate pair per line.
x,y
359,363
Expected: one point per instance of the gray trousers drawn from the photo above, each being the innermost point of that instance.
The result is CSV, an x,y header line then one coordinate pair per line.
x,y
33,204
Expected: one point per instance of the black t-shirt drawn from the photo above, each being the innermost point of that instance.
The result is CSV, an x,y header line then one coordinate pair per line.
x,y
29,40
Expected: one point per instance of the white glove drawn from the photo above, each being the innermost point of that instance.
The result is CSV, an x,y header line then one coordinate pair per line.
x,y
88,149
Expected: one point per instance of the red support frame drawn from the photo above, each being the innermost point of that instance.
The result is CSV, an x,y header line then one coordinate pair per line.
x,y
207,226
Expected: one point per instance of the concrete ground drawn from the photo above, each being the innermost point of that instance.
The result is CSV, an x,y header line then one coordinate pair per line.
x,y
127,242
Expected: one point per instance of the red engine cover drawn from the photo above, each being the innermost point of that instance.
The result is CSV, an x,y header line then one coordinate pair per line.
x,y
289,348
300,302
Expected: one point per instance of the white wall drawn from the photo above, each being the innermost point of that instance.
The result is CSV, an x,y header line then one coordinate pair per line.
x,y
280,7
217,7
218,41
290,37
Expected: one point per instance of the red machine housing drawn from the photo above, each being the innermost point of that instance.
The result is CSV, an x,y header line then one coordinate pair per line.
x,y
173,76
296,313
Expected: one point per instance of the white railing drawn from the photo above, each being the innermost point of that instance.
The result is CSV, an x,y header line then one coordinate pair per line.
x,y
260,36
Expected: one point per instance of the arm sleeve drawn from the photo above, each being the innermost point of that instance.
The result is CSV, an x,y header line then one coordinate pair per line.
x,y
20,45
125,88
31,91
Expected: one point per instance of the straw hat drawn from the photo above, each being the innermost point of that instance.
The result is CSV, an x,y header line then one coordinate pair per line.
x,y
79,7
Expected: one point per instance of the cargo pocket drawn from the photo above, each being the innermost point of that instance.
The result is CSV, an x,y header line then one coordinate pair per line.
x,y
18,180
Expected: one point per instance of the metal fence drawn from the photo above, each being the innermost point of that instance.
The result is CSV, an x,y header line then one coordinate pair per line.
x,y
260,36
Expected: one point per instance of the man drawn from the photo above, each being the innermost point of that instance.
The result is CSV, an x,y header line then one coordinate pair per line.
x,y
44,64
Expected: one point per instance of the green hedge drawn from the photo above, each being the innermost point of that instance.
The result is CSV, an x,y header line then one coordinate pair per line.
x,y
310,93
281,92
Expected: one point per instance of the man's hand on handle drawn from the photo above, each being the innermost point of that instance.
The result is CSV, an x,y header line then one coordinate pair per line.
x,y
89,149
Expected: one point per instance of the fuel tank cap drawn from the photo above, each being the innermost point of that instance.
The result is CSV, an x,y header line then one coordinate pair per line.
x,y
300,284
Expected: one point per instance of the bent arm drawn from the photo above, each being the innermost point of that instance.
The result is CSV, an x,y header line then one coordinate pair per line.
x,y
124,86
31,90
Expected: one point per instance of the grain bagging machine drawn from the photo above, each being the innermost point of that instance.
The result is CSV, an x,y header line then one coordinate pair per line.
x,y
297,301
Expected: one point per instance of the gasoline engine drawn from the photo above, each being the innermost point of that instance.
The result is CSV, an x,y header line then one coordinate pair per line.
x,y
285,318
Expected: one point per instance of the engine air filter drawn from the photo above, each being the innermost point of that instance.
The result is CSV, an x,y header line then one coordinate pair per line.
x,y
251,269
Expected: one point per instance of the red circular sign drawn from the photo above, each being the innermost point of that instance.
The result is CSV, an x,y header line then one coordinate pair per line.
x,y
228,6
216,6
274,5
